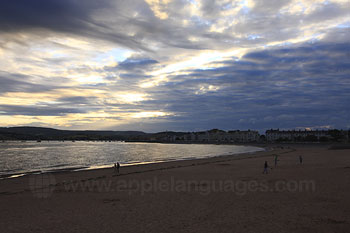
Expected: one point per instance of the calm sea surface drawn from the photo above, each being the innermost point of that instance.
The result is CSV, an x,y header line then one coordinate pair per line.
x,y
27,157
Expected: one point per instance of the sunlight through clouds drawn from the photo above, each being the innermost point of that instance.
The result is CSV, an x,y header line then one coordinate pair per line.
x,y
150,114
130,97
114,63
158,6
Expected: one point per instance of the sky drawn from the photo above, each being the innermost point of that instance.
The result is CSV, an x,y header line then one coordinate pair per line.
x,y
181,65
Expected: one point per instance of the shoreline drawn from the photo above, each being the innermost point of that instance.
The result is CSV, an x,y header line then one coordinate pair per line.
x,y
127,164
266,147
99,173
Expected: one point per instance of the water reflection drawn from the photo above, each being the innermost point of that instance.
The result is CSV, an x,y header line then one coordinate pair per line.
x,y
20,157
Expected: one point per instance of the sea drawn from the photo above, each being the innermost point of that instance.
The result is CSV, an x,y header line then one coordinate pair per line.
x,y
19,158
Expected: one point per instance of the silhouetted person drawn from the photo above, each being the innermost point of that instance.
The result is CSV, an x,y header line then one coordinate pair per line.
x,y
300,159
276,159
265,167
118,166
115,168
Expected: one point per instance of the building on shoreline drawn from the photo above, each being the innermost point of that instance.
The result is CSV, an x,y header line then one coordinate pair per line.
x,y
211,136
244,136
306,135
216,135
250,136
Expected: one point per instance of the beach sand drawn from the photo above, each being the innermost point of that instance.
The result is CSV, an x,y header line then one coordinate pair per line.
x,y
221,194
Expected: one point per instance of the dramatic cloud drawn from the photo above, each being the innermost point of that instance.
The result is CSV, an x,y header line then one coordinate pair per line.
x,y
175,64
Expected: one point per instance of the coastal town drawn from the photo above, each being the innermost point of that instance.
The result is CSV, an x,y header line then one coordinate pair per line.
x,y
250,136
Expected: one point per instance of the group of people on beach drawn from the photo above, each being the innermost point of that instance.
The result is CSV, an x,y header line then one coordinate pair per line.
x,y
266,166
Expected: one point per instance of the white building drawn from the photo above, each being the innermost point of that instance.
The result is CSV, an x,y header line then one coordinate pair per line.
x,y
295,135
243,136
216,135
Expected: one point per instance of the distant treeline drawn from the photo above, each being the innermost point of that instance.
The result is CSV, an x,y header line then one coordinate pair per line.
x,y
38,133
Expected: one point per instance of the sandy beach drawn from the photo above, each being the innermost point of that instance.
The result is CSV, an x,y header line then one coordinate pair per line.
x,y
221,194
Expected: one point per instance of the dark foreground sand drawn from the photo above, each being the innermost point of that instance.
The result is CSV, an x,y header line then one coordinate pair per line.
x,y
224,194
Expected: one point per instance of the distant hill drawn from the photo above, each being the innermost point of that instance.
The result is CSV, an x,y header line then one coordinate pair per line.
x,y
40,133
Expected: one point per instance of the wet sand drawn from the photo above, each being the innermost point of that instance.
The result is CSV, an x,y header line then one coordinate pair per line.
x,y
221,194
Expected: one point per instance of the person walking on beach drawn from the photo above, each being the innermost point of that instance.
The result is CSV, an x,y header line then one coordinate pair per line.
x,y
265,167
300,159
276,159
115,168
118,166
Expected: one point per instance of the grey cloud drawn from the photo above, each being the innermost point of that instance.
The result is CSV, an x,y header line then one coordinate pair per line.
x,y
304,84
132,63
63,15
133,24
328,11
135,67
37,111
22,83
77,100
269,6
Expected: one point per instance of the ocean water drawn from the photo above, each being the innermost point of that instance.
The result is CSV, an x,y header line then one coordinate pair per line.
x,y
35,157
